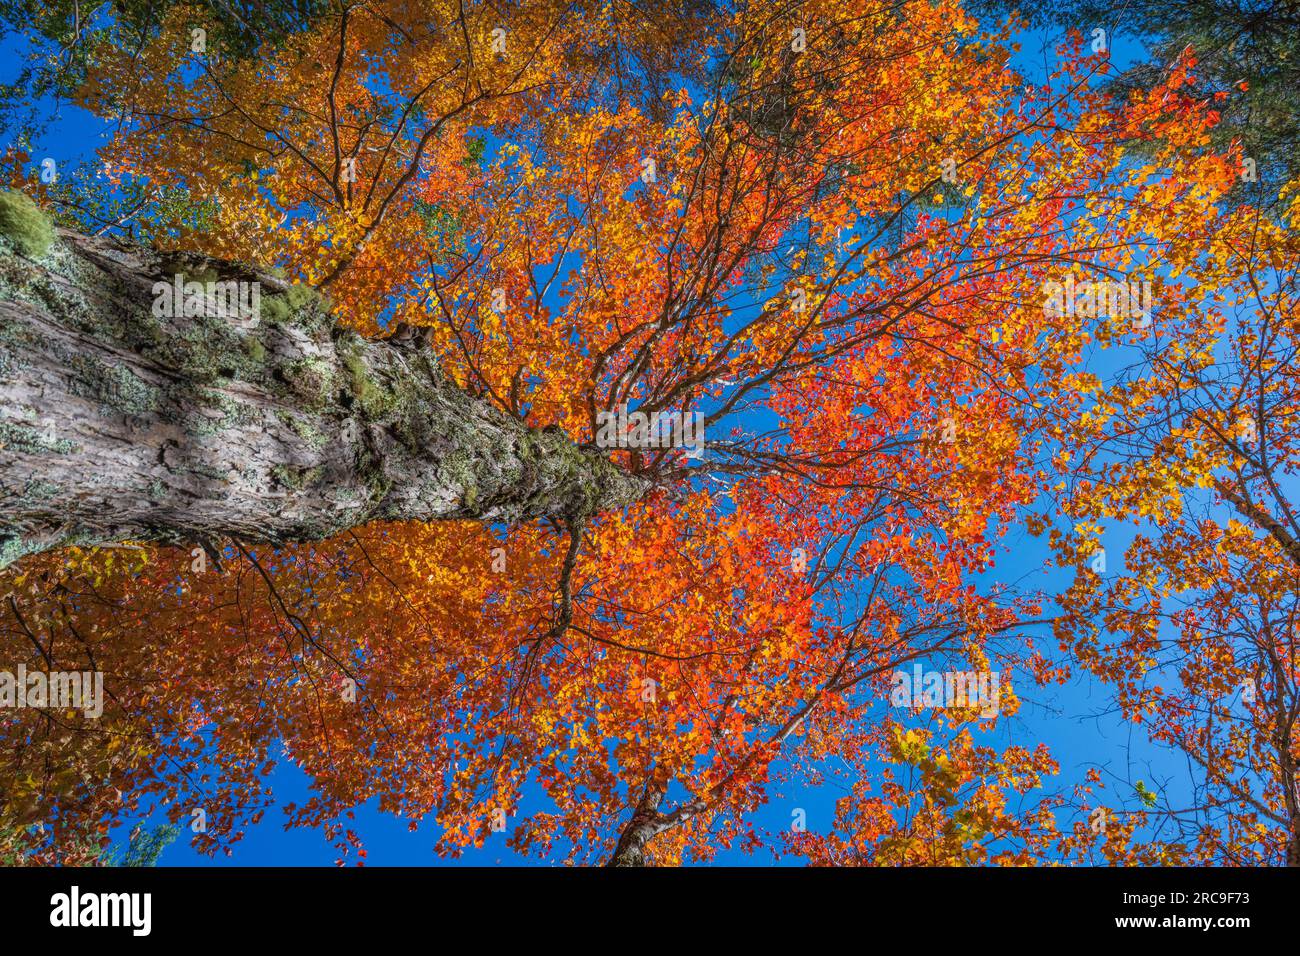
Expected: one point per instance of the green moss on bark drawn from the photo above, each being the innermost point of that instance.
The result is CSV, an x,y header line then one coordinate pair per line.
x,y
293,477
301,305
310,380
374,400
25,225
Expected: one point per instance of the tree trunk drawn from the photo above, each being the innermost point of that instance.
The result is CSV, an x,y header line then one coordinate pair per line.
x,y
645,825
121,423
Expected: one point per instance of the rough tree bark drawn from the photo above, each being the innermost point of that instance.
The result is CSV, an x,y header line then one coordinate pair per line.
x,y
646,824
117,424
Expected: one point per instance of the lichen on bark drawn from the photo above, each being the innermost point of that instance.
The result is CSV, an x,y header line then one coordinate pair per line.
x,y
173,429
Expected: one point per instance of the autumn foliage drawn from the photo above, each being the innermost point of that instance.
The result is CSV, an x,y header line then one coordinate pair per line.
x,y
828,227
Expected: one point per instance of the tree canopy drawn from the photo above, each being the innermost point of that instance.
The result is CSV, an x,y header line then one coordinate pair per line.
x,y
921,305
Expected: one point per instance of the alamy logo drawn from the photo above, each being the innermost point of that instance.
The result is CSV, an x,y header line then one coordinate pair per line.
x,y
624,429
921,688
103,909
237,301
56,690
1095,300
